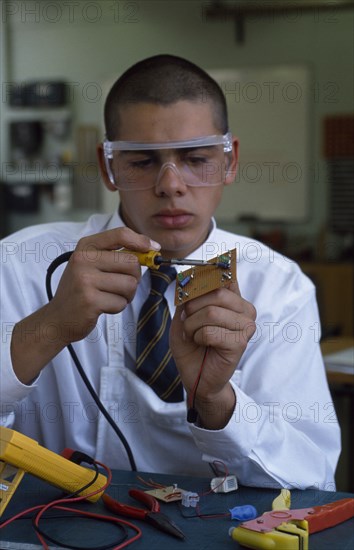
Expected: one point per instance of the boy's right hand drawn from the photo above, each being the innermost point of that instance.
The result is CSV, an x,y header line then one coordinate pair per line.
x,y
97,279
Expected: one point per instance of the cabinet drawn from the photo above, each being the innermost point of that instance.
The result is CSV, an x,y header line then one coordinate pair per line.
x,y
37,163
334,287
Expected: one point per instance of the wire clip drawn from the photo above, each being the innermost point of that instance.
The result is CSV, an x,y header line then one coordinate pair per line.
x,y
224,484
190,499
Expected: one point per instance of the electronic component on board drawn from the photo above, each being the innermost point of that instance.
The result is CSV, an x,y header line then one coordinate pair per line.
x,y
219,272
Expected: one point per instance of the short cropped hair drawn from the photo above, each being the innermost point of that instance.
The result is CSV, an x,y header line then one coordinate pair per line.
x,y
163,80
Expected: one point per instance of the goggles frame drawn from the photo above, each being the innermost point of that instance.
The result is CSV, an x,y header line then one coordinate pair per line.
x,y
204,141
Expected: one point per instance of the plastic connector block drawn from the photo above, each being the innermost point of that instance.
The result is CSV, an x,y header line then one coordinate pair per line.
x,y
224,484
190,499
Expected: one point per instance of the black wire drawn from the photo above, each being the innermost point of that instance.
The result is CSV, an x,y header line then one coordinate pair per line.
x,y
75,515
72,547
53,266
78,491
52,506
209,515
199,377
192,413
89,484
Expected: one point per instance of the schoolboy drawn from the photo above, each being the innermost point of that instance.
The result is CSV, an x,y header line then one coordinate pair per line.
x,y
262,374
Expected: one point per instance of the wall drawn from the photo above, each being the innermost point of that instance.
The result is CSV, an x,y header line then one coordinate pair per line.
x,y
88,42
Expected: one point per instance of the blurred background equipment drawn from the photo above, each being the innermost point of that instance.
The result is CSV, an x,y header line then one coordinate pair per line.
x,y
86,185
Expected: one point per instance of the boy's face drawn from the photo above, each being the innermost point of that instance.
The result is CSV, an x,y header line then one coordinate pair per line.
x,y
172,213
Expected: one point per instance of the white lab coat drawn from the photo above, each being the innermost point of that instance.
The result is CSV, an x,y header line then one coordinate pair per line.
x,y
283,431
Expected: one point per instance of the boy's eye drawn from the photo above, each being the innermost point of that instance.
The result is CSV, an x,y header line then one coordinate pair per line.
x,y
142,163
196,159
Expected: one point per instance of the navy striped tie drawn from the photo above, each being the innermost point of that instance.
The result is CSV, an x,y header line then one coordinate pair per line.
x,y
154,361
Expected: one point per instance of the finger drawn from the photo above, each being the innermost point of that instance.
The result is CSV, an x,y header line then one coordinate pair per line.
x,y
222,297
219,337
118,285
181,345
112,303
110,261
98,302
178,318
177,325
234,287
117,238
212,316
94,295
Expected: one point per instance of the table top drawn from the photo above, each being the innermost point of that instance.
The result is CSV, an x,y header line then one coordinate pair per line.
x,y
335,345
200,533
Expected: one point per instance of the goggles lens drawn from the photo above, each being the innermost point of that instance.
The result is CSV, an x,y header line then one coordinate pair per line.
x,y
198,162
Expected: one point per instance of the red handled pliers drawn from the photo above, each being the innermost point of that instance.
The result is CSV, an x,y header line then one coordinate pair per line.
x,y
153,516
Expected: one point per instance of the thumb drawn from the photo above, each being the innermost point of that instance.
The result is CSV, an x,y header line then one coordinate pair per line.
x,y
177,328
181,345
234,287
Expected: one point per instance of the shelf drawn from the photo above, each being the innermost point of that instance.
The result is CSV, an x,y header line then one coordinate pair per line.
x,y
39,175
225,11
53,129
36,113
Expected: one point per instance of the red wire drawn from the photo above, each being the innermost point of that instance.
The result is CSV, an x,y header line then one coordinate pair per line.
x,y
191,401
197,509
226,473
210,516
19,515
151,483
93,516
191,398
56,504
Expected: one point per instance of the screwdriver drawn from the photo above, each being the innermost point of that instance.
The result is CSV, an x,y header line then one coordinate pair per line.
x,y
154,259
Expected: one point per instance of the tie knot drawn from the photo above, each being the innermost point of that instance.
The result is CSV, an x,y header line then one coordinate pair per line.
x,y
161,278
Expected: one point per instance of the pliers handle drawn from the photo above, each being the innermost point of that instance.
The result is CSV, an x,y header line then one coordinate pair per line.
x,y
132,511
152,515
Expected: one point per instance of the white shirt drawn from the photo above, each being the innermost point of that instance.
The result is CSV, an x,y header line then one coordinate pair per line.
x,y
284,430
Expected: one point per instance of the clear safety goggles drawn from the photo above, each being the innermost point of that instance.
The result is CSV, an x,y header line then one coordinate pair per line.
x,y
197,162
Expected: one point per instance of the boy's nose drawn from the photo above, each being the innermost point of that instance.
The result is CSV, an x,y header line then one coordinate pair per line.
x,y
170,180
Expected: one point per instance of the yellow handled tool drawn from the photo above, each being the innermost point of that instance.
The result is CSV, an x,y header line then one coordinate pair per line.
x,y
149,259
154,259
285,529
19,452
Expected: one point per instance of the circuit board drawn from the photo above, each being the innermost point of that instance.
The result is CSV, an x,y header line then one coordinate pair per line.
x,y
199,280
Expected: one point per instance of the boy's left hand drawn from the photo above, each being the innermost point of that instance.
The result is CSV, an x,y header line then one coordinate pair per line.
x,y
223,322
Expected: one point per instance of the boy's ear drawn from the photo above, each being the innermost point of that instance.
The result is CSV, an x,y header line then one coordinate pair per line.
x,y
101,161
232,163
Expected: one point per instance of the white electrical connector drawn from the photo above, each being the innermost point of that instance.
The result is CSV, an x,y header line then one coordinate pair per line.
x,y
224,484
190,499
